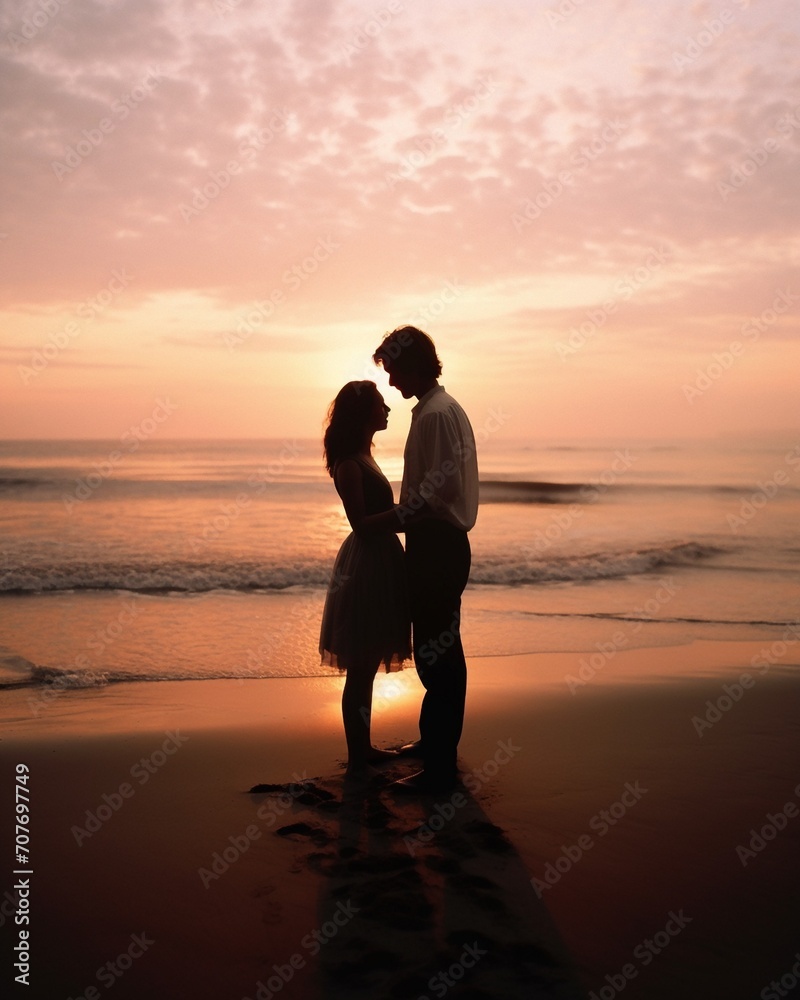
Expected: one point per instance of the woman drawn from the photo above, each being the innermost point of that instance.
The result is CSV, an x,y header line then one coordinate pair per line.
x,y
366,618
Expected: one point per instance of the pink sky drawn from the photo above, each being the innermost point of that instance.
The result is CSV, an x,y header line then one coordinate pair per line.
x,y
591,207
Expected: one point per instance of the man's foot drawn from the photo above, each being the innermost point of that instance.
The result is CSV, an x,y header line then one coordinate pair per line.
x,y
421,783
411,749
378,756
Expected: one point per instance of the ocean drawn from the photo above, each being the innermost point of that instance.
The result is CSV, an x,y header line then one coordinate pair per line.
x,y
135,562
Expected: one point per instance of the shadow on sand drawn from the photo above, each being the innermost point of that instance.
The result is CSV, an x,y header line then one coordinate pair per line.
x,y
423,897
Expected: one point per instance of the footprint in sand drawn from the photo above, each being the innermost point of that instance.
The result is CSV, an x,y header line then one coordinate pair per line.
x,y
271,909
305,831
432,903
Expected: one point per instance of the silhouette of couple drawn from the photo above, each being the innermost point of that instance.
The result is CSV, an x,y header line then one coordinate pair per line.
x,y
379,592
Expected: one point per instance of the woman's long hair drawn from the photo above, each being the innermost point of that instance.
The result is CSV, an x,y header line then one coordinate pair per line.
x,y
347,422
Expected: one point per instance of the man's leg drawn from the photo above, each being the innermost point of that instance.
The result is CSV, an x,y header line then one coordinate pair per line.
x,y
438,564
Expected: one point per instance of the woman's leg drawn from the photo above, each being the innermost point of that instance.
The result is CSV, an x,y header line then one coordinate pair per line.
x,y
357,711
357,714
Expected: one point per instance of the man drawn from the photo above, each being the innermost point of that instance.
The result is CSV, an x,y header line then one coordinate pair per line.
x,y
439,505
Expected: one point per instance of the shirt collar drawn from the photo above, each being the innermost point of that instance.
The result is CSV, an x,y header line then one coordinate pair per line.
x,y
431,392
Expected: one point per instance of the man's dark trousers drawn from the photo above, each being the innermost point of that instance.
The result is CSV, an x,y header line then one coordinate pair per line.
x,y
438,561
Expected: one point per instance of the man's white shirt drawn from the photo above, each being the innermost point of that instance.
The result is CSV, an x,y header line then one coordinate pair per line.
x,y
440,461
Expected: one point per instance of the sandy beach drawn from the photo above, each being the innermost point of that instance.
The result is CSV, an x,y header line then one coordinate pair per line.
x,y
326,320
599,844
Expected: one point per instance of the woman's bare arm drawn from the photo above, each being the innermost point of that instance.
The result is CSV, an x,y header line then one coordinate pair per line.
x,y
349,480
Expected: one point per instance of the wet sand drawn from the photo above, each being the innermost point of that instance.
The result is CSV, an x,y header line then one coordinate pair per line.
x,y
600,842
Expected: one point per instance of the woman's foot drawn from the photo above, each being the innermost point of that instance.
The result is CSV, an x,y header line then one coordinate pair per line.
x,y
363,765
360,770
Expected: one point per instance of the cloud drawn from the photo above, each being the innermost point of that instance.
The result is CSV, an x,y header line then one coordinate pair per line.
x,y
213,149
232,162
15,356
246,337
